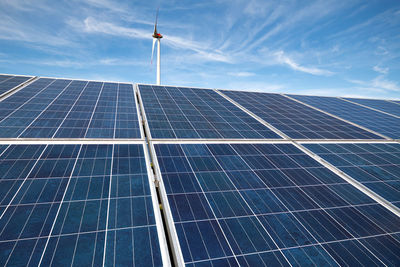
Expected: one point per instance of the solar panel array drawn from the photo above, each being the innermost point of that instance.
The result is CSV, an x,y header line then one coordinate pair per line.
x,y
297,120
371,119
258,204
76,205
8,82
76,178
174,112
60,108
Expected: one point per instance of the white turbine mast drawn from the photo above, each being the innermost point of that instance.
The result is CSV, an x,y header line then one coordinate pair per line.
x,y
156,38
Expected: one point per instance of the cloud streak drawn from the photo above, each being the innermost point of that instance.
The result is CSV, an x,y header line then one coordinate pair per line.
x,y
283,59
380,69
378,84
92,25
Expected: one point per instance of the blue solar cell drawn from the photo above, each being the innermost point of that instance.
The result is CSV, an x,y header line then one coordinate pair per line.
x,y
294,119
383,105
174,112
371,119
60,212
50,108
377,166
8,82
242,205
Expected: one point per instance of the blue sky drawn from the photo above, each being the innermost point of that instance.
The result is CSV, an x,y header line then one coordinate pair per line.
x,y
339,48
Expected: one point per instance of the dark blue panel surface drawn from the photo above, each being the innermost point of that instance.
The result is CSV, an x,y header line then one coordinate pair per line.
x,y
371,119
8,82
294,119
68,204
382,105
174,112
256,202
377,166
55,108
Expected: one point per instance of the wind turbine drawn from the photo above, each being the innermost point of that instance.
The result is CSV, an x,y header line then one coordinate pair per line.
x,y
156,38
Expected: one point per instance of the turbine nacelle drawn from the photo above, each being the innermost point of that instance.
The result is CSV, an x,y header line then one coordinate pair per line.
x,y
157,35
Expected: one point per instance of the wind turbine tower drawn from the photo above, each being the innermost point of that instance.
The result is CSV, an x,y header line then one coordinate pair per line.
x,y
157,38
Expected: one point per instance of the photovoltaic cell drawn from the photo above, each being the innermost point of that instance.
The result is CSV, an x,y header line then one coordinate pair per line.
x,y
68,204
57,108
8,82
377,166
258,204
294,119
174,112
383,105
376,121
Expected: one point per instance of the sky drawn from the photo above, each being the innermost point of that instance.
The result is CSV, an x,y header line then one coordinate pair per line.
x,y
321,47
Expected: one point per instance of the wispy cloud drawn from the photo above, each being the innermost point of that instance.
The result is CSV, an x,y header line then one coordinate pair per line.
x,y
241,74
256,86
92,25
378,84
283,59
11,29
380,69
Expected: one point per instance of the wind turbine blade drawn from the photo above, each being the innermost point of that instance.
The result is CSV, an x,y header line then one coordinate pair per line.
x,y
155,24
152,51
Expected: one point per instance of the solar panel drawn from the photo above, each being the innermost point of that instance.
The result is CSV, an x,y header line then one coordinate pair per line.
x,y
376,121
259,204
78,205
8,82
296,120
58,108
4,77
377,166
382,105
174,112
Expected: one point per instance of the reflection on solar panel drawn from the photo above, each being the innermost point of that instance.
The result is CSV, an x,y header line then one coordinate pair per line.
x,y
68,204
376,121
174,112
8,82
383,105
377,166
57,108
259,204
296,120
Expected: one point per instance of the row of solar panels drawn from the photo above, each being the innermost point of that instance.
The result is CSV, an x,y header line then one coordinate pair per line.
x,y
225,202
60,108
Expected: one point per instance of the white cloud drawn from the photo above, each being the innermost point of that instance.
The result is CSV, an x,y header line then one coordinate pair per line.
x,y
381,70
241,74
92,25
283,59
14,29
256,86
379,84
